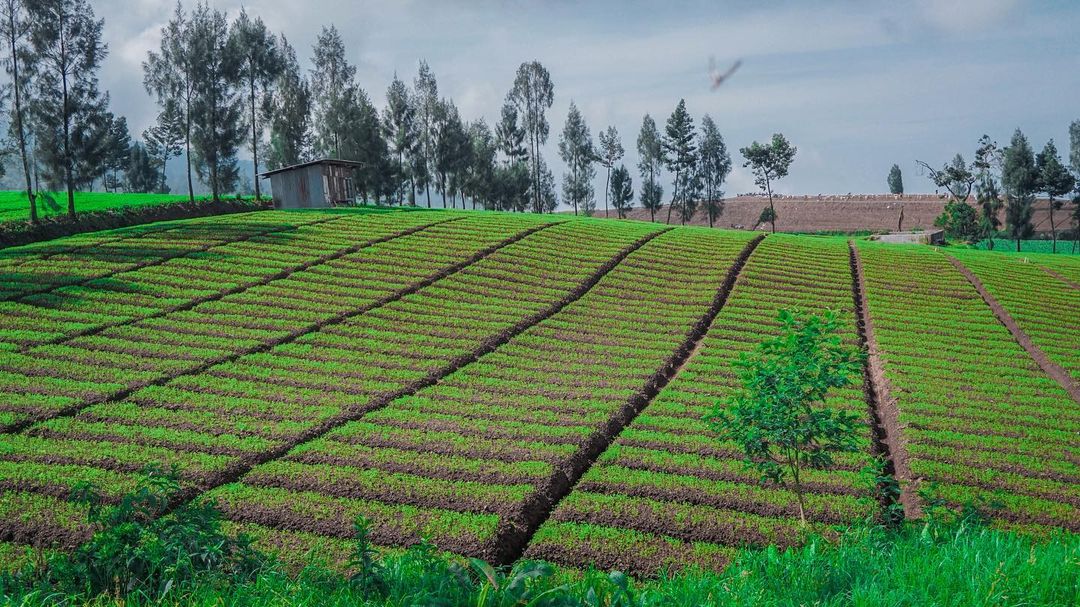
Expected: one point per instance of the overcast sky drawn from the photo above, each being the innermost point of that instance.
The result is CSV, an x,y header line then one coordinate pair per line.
x,y
856,85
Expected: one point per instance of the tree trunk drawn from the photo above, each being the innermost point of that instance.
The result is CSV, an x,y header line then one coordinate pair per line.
x,y
254,137
187,146
66,112
19,120
607,188
772,221
674,197
1053,230
427,190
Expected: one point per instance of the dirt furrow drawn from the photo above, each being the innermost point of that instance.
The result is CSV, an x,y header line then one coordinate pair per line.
x,y
516,533
888,433
1055,371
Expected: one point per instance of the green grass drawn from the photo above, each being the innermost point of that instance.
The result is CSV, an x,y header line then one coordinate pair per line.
x,y
956,564
13,205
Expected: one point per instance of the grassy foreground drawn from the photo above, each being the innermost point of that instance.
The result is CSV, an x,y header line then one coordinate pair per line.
x,y
955,563
13,205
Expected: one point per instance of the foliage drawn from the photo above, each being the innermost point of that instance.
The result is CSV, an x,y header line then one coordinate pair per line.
x,y
532,95
960,222
143,550
15,30
334,92
1020,179
399,124
714,167
942,560
217,108
769,163
70,114
622,190
289,113
426,101
680,154
610,151
896,180
260,64
576,150
650,159
1055,181
777,416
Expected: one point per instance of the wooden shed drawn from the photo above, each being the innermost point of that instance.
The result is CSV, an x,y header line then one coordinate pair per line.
x,y
313,185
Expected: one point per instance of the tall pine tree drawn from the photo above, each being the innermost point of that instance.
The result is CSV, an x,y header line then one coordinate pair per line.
x,y
611,151
69,111
18,62
650,162
259,67
1020,180
715,165
533,93
576,150
680,153
289,113
218,109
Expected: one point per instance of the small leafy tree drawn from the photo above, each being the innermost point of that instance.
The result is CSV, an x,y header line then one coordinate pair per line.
x,y
622,190
961,222
778,417
769,163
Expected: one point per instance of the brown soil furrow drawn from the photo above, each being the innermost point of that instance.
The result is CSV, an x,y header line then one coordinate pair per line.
x,y
1061,278
515,533
884,407
246,464
287,338
157,261
1049,367
248,285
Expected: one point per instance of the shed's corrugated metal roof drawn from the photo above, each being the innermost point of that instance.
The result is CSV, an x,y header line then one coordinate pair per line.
x,y
331,161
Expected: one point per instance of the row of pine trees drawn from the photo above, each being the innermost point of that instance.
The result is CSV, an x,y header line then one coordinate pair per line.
x,y
224,86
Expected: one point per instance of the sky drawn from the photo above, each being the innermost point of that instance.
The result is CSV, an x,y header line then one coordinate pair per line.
x,y
856,85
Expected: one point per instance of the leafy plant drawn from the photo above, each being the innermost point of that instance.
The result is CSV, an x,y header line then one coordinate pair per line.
x,y
778,417
143,549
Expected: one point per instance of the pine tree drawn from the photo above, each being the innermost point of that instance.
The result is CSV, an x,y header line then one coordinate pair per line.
x,y
611,151
533,93
116,154
169,75
141,172
1074,163
680,153
480,184
576,150
715,165
509,135
427,109
15,29
217,109
651,157
896,180
399,124
1020,179
1054,180
259,67
68,109
289,113
622,190
332,89
165,140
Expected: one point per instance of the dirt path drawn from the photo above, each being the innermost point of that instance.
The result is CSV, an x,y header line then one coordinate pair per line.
x,y
534,512
1049,367
1061,278
883,406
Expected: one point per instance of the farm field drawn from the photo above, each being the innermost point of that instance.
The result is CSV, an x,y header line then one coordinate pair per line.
x,y
506,385
14,206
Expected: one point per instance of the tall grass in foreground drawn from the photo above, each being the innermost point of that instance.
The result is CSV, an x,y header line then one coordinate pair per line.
x,y
933,564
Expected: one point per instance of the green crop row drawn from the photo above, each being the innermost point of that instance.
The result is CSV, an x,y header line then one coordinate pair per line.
x,y
674,482
535,403
1047,310
240,409
965,386
166,346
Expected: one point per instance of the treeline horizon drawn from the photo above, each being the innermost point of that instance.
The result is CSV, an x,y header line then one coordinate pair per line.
x,y
224,86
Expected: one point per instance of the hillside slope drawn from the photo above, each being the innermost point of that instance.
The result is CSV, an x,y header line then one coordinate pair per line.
x,y
506,384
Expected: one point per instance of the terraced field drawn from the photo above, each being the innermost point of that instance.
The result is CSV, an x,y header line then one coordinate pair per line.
x,y
508,385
